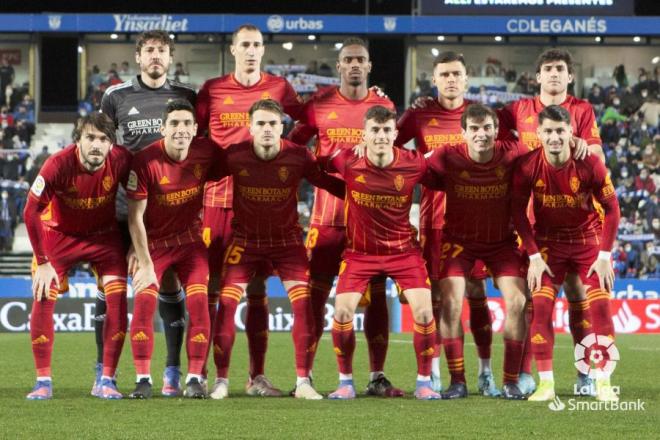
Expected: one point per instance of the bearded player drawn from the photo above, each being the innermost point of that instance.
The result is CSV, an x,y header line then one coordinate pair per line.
x,y
554,73
336,117
222,110
70,217
567,236
436,124
266,173
136,107
165,191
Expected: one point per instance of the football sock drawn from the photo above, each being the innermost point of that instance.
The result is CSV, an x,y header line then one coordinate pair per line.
x,y
99,317
526,363
343,339
484,365
423,341
454,353
319,291
171,307
599,303
198,327
256,329
304,343
541,331
114,330
512,358
142,329
225,330
377,325
547,375
437,310
579,320
480,325
42,332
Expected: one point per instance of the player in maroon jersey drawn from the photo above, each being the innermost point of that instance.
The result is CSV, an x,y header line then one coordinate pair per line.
x,y
70,217
165,190
381,242
437,124
222,110
266,173
476,178
336,117
554,72
567,236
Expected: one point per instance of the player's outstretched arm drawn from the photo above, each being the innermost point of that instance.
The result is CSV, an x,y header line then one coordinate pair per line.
x,y
145,274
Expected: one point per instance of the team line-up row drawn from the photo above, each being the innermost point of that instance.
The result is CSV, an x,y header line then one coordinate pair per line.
x,y
209,217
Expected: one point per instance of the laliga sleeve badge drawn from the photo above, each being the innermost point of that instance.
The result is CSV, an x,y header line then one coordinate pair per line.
x,y
38,186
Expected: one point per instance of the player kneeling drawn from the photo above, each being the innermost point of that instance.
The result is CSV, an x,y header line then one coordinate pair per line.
x,y
381,242
568,236
70,217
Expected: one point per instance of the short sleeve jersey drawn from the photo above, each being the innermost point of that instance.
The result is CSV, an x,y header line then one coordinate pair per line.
x,y
222,109
478,195
431,127
173,190
378,201
338,123
522,116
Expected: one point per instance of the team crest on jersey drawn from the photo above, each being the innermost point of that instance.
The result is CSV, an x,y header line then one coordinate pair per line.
x,y
107,183
266,95
399,182
540,185
38,186
197,171
575,184
499,172
132,181
283,174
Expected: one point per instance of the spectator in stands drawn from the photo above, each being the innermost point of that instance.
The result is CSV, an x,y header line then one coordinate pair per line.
x,y
6,142
651,157
655,228
596,98
179,72
632,260
24,131
619,259
6,78
20,194
6,118
620,76
96,78
7,221
22,113
644,182
649,262
113,78
312,67
125,69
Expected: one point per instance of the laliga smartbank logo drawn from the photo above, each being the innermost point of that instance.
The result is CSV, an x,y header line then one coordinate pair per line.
x,y
596,356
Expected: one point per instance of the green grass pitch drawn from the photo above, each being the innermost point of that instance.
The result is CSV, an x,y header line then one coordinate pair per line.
x,y
73,413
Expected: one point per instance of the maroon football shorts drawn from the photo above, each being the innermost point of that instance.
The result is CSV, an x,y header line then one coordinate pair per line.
x,y
563,258
458,258
189,261
325,245
406,269
431,240
241,263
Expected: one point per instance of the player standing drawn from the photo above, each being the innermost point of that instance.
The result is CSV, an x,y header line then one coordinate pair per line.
x,y
70,217
266,173
222,110
476,178
437,124
554,72
381,242
165,190
567,234
336,117
136,107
